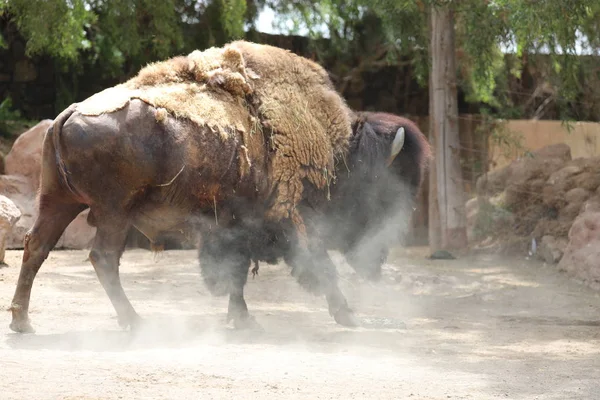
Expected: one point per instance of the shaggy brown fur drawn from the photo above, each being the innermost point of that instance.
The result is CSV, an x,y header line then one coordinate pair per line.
x,y
310,121
304,120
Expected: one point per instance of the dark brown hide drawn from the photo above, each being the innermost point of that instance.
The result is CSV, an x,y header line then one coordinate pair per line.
x,y
165,174
155,173
132,170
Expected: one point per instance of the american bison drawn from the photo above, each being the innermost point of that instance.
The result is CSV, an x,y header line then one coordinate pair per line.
x,y
140,165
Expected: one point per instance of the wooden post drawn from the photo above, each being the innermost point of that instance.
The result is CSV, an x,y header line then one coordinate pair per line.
x,y
444,122
433,223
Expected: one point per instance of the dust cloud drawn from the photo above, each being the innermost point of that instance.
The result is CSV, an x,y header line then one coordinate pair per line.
x,y
474,328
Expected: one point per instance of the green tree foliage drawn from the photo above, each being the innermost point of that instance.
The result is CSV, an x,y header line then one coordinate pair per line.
x,y
233,17
113,38
110,40
113,30
52,26
483,29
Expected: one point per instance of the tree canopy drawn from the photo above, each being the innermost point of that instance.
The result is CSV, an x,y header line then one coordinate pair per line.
x,y
485,31
113,38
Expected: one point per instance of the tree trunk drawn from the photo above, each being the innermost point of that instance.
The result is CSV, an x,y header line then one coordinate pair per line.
x,y
444,125
435,238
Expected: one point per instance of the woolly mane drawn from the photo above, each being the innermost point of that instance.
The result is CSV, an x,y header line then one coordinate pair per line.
x,y
246,87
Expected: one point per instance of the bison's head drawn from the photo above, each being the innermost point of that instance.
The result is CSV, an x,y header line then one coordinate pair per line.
x,y
375,196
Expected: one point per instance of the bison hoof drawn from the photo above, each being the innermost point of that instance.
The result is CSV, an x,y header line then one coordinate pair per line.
x,y
21,327
133,322
345,317
248,323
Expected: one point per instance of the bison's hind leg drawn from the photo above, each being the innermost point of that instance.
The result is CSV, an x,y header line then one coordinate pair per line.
x,y
109,244
55,214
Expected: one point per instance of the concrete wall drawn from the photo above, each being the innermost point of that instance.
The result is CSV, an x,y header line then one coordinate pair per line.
x,y
583,138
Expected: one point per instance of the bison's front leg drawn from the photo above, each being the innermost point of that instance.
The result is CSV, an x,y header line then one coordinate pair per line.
x,y
237,310
224,264
315,271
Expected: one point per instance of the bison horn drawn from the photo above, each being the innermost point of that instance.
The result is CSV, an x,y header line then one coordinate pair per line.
x,y
397,144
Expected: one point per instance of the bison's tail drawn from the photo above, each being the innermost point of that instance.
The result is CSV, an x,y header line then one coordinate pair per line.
x,y
56,132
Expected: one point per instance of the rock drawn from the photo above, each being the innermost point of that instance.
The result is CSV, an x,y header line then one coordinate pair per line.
x,y
25,156
472,209
577,195
526,218
551,249
493,182
558,184
486,217
539,165
9,215
524,172
472,206
582,256
79,234
442,255
551,227
592,205
498,200
559,151
564,174
569,212
22,194
589,180
571,203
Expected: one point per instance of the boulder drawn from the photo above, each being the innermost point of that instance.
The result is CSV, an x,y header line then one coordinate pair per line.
x,y
25,156
472,209
564,174
525,172
574,199
559,151
551,249
536,166
558,184
485,217
577,195
588,180
493,182
582,254
551,227
79,234
9,215
19,190
591,205
569,212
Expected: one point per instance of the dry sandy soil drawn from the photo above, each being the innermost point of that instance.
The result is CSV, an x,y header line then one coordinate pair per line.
x,y
475,328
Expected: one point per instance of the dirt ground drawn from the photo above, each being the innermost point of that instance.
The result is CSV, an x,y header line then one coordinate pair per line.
x,y
476,328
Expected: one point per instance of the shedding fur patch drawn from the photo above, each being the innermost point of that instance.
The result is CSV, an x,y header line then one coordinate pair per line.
x,y
160,114
219,110
306,123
